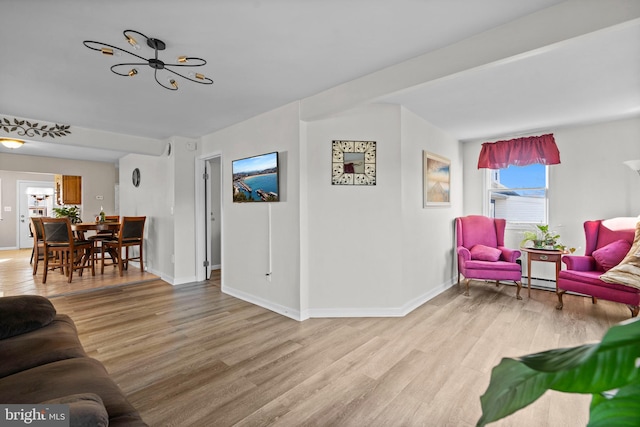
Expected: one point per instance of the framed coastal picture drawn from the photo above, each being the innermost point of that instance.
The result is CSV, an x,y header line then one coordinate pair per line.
x,y
436,172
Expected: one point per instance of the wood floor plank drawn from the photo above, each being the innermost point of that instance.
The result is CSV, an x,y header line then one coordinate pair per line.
x,y
191,355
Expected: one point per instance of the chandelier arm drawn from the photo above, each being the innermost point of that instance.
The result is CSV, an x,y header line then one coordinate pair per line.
x,y
127,64
134,31
205,81
200,63
112,47
155,76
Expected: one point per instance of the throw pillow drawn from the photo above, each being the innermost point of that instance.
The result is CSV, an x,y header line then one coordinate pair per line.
x,y
24,313
485,253
628,271
611,255
85,410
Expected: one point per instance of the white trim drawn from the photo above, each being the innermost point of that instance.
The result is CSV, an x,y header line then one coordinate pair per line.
x,y
201,238
269,305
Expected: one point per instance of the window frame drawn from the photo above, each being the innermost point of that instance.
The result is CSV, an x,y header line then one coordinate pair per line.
x,y
486,203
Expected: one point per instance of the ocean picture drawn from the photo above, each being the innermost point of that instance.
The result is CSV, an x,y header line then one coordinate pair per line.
x,y
255,179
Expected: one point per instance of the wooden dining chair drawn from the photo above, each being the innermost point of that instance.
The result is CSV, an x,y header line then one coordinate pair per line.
x,y
131,234
37,253
102,235
62,250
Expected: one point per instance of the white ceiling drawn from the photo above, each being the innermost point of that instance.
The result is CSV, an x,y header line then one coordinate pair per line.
x,y
264,54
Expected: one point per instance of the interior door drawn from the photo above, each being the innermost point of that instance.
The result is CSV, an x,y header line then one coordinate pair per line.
x,y
213,215
35,198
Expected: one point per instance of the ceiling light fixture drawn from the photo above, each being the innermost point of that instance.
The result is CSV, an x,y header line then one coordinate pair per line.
x,y
11,143
124,69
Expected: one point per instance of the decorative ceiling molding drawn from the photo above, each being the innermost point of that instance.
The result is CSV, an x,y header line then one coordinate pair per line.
x,y
26,128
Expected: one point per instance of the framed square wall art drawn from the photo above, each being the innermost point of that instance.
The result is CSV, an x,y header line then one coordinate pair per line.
x,y
353,163
437,179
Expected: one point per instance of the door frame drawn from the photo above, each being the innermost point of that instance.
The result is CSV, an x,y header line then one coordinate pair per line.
x,y
20,201
203,236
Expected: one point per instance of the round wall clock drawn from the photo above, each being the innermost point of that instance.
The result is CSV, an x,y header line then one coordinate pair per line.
x,y
135,177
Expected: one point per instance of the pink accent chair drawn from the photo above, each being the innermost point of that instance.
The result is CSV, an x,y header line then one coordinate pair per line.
x,y
482,254
583,272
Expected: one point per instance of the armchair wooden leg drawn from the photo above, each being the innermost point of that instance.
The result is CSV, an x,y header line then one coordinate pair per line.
x,y
560,304
466,285
594,300
497,283
519,288
635,309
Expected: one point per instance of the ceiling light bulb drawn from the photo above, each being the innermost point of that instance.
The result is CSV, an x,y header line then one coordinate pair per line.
x,y
182,59
133,42
107,51
173,83
11,143
133,72
196,75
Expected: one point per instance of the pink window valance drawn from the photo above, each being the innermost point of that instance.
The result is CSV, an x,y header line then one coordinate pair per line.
x,y
519,152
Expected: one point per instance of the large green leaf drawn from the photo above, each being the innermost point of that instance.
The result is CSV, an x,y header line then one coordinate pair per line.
x,y
622,409
591,368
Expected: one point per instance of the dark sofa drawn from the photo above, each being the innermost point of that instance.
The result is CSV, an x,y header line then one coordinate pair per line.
x,y
43,361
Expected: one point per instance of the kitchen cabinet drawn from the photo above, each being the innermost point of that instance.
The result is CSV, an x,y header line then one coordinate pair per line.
x,y
68,189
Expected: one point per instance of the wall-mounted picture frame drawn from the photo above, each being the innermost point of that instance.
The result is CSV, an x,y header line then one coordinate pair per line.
x,y
353,162
437,180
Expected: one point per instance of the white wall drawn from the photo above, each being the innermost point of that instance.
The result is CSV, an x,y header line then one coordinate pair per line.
x,y
428,247
355,232
590,183
153,199
375,250
245,244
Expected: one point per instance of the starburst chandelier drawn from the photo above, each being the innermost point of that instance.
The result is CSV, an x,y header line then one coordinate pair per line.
x,y
164,73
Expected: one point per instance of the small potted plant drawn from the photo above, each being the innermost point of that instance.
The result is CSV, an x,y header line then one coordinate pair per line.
x,y
73,212
542,238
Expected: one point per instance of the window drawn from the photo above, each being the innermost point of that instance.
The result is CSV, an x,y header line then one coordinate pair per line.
x,y
518,193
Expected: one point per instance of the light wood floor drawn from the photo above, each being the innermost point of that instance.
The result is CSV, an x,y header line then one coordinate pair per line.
x,y
192,356
16,275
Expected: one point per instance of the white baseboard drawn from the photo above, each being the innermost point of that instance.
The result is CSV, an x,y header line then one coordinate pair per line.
x,y
401,311
269,305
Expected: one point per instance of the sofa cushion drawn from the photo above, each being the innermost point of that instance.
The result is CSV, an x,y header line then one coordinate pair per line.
x,y
611,255
66,377
56,341
85,410
24,313
485,253
627,272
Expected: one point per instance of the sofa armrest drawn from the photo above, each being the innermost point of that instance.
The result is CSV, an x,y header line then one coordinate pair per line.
x,y
509,255
579,262
463,253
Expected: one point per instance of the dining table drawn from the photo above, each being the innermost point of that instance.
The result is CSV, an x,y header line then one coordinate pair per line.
x,y
80,228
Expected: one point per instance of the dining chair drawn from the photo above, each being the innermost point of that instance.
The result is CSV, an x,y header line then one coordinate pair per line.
x,y
62,250
37,253
102,235
131,234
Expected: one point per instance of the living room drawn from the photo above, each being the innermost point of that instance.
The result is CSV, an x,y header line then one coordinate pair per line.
x,y
354,251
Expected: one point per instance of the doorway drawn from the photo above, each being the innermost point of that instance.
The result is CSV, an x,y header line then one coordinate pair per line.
x,y
208,216
35,198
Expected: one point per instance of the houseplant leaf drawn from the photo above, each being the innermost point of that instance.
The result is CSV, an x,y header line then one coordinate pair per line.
x,y
591,368
622,409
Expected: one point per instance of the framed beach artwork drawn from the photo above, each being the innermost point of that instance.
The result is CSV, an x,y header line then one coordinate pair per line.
x,y
353,162
437,179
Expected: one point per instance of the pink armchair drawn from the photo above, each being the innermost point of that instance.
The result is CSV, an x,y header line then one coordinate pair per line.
x,y
605,246
482,254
